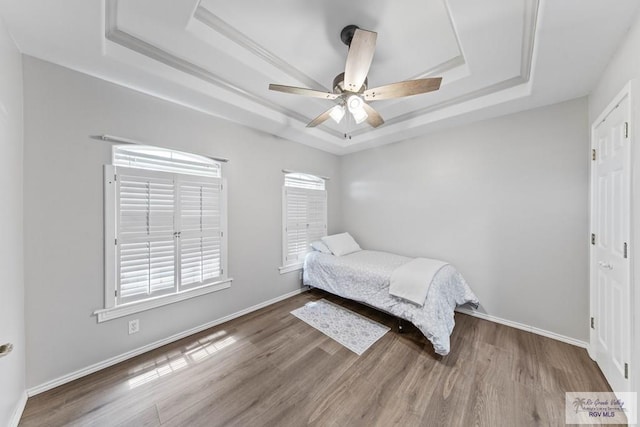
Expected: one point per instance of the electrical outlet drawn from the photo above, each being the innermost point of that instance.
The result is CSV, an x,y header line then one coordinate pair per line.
x,y
134,326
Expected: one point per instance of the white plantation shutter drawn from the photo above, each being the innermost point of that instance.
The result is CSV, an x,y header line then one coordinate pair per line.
x,y
305,215
200,230
146,248
169,226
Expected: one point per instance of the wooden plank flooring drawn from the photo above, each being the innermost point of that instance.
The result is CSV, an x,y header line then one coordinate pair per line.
x,y
270,368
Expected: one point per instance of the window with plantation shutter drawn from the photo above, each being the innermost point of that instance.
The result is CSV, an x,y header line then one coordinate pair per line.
x,y
304,215
167,217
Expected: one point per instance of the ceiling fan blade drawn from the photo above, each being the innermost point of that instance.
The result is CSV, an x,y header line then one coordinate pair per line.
x,y
320,119
303,91
373,117
400,89
359,59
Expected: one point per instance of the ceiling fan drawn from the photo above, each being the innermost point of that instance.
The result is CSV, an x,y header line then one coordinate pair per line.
x,y
350,88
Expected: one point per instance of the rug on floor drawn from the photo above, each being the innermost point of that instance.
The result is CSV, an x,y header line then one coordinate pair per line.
x,y
350,329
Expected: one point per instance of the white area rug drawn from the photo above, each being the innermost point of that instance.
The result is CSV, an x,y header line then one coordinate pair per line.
x,y
350,329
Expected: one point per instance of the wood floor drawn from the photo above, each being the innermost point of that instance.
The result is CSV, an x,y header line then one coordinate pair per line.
x,y
270,368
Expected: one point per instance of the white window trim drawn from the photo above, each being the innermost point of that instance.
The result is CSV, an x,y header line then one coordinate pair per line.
x,y
289,268
136,307
284,268
113,311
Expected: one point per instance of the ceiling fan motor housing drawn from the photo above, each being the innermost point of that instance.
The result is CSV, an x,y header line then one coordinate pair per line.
x,y
338,84
346,35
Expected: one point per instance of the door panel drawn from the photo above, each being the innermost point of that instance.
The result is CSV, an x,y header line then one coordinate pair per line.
x,y
602,329
603,232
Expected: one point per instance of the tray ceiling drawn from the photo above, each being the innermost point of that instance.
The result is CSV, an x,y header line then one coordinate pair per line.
x,y
219,57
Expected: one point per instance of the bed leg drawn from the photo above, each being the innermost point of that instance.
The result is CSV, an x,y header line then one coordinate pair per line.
x,y
400,325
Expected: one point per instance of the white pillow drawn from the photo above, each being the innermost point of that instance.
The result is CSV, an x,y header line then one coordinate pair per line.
x,y
341,244
320,247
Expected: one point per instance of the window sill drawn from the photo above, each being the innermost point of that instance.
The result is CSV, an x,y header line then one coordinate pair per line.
x,y
290,268
136,307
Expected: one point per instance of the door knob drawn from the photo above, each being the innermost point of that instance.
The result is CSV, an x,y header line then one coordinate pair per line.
x,y
605,265
5,349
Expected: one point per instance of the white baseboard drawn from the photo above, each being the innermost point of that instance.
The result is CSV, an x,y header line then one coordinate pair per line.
x,y
128,355
19,409
524,327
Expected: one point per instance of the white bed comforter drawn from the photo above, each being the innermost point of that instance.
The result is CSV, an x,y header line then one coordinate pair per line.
x,y
364,276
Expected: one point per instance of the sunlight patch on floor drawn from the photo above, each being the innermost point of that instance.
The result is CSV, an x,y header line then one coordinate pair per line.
x,y
175,361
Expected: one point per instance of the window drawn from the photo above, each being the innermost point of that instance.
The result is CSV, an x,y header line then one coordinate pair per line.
x,y
304,217
165,229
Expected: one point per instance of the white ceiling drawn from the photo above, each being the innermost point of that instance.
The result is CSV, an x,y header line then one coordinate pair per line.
x,y
217,56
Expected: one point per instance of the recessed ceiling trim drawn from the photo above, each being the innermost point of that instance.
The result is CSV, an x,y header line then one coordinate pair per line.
x,y
122,38
453,62
441,68
217,24
214,22
530,19
497,87
528,37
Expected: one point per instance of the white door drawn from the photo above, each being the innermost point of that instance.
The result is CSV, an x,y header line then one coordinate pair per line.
x,y
610,262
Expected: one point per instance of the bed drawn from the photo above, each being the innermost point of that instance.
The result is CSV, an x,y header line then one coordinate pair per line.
x,y
365,276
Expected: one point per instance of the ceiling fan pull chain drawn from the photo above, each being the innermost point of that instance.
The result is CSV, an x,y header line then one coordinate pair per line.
x,y
347,126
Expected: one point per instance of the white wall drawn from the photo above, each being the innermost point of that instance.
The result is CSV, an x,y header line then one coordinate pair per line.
x,y
504,200
12,367
623,67
64,217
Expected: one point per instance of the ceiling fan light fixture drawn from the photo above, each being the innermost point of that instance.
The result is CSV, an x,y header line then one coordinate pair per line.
x,y
337,113
359,115
354,102
356,108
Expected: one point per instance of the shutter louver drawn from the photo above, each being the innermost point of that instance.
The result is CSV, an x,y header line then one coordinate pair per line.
x,y
146,250
200,231
296,223
317,216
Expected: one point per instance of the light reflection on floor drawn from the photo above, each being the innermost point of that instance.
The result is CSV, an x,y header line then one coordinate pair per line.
x,y
175,361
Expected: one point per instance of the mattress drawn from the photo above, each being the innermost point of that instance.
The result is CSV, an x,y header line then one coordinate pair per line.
x,y
364,276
